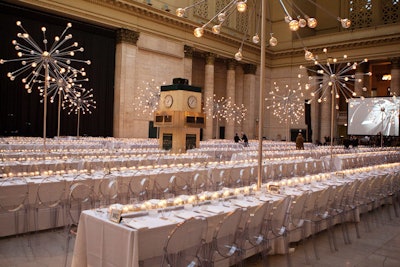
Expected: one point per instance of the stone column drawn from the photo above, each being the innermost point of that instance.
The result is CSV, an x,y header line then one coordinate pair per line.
x,y
209,94
249,101
230,95
125,68
395,72
188,63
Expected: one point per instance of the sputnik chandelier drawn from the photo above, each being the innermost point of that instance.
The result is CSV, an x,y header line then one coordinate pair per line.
x,y
287,104
224,109
80,101
55,59
45,64
295,21
148,98
334,77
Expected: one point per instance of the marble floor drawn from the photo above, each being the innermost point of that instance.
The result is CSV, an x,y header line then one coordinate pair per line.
x,y
378,246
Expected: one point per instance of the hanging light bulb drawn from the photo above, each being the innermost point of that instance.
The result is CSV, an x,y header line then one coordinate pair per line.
x,y
180,12
302,22
346,23
221,17
308,55
241,6
198,32
311,22
273,41
238,55
256,38
216,29
293,25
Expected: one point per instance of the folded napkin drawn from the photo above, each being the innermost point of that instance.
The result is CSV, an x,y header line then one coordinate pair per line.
x,y
136,224
241,203
215,209
186,214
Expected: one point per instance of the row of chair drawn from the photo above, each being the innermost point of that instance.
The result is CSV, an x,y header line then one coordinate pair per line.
x,y
294,219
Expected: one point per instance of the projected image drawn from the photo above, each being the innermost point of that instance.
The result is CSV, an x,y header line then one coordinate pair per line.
x,y
370,116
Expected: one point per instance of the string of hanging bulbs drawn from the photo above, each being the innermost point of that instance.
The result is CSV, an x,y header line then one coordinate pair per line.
x,y
295,22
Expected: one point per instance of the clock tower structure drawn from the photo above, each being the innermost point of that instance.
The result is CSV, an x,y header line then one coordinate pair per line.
x,y
180,116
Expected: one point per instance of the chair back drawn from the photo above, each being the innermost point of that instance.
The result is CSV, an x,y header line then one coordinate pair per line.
x,y
183,244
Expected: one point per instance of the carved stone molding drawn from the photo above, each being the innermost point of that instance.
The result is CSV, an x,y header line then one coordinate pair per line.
x,y
249,69
127,36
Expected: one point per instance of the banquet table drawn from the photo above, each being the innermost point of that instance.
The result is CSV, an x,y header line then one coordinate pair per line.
x,y
139,239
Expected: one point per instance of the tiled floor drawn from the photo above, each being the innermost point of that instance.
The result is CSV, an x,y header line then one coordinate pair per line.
x,y
378,247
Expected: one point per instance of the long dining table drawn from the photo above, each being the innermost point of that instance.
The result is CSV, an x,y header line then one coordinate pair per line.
x,y
139,238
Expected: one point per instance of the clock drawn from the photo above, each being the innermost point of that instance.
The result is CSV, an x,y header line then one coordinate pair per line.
x,y
192,101
168,100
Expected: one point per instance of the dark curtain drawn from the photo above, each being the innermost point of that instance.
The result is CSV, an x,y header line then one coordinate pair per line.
x,y
21,113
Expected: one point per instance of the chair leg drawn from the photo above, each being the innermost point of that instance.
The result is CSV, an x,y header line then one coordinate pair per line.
x,y
67,247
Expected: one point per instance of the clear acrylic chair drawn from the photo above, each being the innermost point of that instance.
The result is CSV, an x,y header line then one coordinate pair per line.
x,y
183,245
179,185
277,225
80,198
254,236
139,188
295,228
14,194
321,219
226,242
108,191
50,196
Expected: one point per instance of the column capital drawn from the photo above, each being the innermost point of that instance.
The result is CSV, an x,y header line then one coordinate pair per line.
x,y
127,36
210,58
363,67
395,61
188,51
249,69
231,64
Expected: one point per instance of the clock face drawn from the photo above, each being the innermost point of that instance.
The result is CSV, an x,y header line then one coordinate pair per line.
x,y
168,100
192,101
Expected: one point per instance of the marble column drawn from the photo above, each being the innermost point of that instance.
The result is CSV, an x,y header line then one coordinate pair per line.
x,y
125,68
395,72
188,63
230,95
208,132
249,101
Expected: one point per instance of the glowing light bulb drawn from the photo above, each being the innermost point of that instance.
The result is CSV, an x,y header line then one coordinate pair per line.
x,y
346,23
216,29
312,23
198,32
293,25
256,39
273,41
241,6
238,55
302,23
221,17
308,55
180,12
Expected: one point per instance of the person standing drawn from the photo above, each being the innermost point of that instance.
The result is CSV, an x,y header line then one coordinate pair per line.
x,y
245,140
236,138
299,142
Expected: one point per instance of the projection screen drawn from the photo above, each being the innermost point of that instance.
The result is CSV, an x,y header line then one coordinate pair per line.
x,y
369,116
